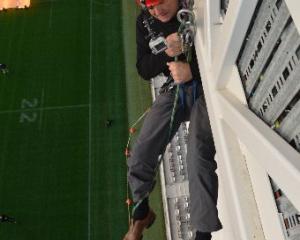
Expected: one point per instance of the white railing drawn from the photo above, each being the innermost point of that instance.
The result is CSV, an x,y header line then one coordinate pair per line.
x,y
248,150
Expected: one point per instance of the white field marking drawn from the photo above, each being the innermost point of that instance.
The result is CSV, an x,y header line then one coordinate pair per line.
x,y
90,122
50,15
45,108
25,117
41,110
25,103
31,116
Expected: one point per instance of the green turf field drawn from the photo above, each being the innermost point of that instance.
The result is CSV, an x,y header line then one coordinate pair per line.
x,y
63,173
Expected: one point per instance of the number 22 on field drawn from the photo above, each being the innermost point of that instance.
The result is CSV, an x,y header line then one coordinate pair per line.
x,y
28,115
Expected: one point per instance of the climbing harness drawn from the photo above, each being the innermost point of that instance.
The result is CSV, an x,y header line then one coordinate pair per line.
x,y
157,44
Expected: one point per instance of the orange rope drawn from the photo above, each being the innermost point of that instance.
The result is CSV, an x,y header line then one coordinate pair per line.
x,y
132,130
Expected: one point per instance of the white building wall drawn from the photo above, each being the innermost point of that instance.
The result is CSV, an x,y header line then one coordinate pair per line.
x,y
248,151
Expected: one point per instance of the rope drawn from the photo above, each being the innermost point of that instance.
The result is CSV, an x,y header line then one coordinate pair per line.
x,y
173,109
132,130
186,32
173,112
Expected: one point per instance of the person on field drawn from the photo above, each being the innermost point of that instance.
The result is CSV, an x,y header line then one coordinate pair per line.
x,y
3,68
154,135
5,218
108,123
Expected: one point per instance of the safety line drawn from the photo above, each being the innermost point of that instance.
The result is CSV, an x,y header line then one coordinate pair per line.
x,y
50,15
132,130
90,122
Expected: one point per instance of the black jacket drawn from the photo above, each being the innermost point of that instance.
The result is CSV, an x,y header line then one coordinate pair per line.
x,y
150,65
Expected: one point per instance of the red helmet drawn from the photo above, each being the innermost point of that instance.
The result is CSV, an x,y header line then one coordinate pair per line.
x,y
148,3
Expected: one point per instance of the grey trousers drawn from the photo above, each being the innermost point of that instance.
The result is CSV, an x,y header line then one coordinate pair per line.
x,y
152,141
